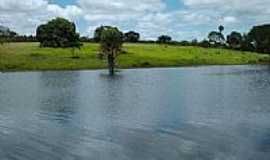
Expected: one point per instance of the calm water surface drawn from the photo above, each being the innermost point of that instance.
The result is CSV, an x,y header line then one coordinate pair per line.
x,y
204,113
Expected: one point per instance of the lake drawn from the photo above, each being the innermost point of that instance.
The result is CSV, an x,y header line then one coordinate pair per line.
x,y
189,113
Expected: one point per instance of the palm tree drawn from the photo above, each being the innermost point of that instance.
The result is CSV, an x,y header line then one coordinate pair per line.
x,y
221,28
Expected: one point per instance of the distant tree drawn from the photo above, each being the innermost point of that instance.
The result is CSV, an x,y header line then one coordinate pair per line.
x,y
58,32
259,36
111,41
6,35
131,36
246,44
194,42
204,43
98,31
23,38
234,40
2,40
86,39
216,37
164,39
221,28
12,34
4,31
184,43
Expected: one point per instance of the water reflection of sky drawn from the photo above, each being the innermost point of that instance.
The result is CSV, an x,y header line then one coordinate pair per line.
x,y
187,113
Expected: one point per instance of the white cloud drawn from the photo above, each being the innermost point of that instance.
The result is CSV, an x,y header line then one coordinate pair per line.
x,y
149,17
230,10
20,6
127,15
118,10
229,19
69,11
120,6
25,16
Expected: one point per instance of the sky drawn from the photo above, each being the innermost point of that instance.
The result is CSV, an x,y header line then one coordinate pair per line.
x,y
181,19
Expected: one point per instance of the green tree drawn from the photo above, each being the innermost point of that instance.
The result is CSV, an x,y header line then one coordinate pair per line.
x,y
216,37
221,28
260,37
2,40
204,43
6,35
246,44
131,36
194,42
58,32
164,39
98,32
111,42
235,40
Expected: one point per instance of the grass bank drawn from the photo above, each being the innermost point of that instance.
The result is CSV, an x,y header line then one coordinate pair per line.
x,y
28,56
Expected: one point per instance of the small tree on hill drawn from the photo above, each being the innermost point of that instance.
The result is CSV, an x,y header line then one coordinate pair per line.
x,y
111,41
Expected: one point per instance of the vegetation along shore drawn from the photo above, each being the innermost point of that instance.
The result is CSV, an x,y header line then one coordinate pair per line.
x,y
57,46
29,56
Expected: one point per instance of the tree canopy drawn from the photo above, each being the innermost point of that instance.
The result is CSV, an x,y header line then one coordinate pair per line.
x,y
235,40
260,37
221,28
58,32
216,37
6,34
98,32
111,41
131,36
164,39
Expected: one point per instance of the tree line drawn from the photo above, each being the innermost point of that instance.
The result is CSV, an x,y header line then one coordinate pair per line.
x,y
61,33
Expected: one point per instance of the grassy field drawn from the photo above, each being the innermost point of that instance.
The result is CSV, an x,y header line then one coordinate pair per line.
x,y
28,56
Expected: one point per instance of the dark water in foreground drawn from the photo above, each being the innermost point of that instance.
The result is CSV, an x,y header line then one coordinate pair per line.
x,y
205,113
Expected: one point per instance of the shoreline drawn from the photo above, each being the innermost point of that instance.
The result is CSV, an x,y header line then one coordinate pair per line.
x,y
132,68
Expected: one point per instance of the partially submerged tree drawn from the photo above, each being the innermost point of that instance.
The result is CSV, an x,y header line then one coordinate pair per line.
x,y
131,36
58,32
111,41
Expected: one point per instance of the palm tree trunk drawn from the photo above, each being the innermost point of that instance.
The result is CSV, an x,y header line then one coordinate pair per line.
x,y
111,64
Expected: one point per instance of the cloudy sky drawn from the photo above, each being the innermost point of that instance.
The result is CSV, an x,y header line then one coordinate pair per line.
x,y
181,19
